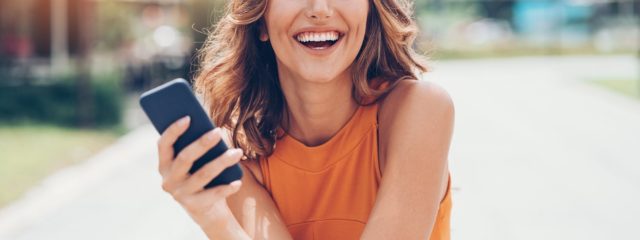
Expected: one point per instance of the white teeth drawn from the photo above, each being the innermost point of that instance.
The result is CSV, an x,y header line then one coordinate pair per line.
x,y
317,37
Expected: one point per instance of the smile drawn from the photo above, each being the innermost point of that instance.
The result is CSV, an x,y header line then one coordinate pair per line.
x,y
318,40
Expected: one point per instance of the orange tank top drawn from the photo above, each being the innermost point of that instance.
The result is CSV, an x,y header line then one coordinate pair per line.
x,y
328,191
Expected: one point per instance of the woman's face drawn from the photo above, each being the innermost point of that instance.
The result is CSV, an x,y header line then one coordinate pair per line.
x,y
316,40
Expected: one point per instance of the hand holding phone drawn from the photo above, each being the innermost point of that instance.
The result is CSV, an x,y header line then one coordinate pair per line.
x,y
197,168
174,100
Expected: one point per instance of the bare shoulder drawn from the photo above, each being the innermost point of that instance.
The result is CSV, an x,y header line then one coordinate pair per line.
x,y
414,99
254,168
414,112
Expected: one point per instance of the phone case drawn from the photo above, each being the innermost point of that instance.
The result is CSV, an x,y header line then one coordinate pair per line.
x,y
173,100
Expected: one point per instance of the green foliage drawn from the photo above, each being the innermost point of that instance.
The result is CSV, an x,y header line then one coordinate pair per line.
x,y
31,152
57,102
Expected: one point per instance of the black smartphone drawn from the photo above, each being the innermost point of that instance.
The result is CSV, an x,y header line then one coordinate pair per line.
x,y
173,100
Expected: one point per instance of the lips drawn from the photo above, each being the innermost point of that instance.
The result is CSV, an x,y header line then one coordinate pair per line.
x,y
318,39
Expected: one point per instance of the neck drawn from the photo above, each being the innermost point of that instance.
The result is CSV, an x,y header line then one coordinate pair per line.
x,y
316,111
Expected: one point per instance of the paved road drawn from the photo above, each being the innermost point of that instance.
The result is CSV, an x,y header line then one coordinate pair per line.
x,y
539,154
536,154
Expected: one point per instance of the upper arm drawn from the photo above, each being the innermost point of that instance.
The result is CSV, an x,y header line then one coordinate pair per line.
x,y
415,126
255,210
252,205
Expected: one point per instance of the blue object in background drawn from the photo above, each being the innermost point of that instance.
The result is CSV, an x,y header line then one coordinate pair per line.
x,y
545,21
537,20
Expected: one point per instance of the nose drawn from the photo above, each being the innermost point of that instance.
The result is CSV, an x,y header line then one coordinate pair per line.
x,y
319,10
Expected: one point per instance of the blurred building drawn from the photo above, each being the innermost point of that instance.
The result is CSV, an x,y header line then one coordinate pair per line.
x,y
42,38
37,36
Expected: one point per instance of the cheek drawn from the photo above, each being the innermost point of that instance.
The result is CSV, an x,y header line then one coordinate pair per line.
x,y
278,18
354,12
355,15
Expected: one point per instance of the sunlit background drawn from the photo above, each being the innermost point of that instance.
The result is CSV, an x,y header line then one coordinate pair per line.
x,y
547,96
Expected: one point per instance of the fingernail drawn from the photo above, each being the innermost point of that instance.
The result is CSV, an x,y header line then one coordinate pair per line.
x,y
236,183
211,134
184,120
236,152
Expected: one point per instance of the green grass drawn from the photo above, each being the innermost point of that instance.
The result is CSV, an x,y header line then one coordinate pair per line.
x,y
28,153
627,87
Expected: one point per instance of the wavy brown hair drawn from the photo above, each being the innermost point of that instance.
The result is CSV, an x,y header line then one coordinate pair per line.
x,y
238,76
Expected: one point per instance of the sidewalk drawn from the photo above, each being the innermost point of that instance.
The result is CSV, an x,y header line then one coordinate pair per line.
x,y
536,154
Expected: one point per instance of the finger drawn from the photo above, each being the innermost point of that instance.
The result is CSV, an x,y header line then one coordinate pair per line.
x,y
211,170
220,192
166,141
185,158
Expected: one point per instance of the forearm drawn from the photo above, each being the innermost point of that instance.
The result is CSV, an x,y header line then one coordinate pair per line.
x,y
229,229
219,226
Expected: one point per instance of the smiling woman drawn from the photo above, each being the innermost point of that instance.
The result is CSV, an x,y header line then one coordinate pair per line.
x,y
362,146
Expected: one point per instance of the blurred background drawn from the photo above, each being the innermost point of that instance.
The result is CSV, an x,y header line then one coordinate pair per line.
x,y
547,96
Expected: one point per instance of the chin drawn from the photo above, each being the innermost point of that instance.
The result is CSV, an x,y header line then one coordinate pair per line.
x,y
320,77
320,73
